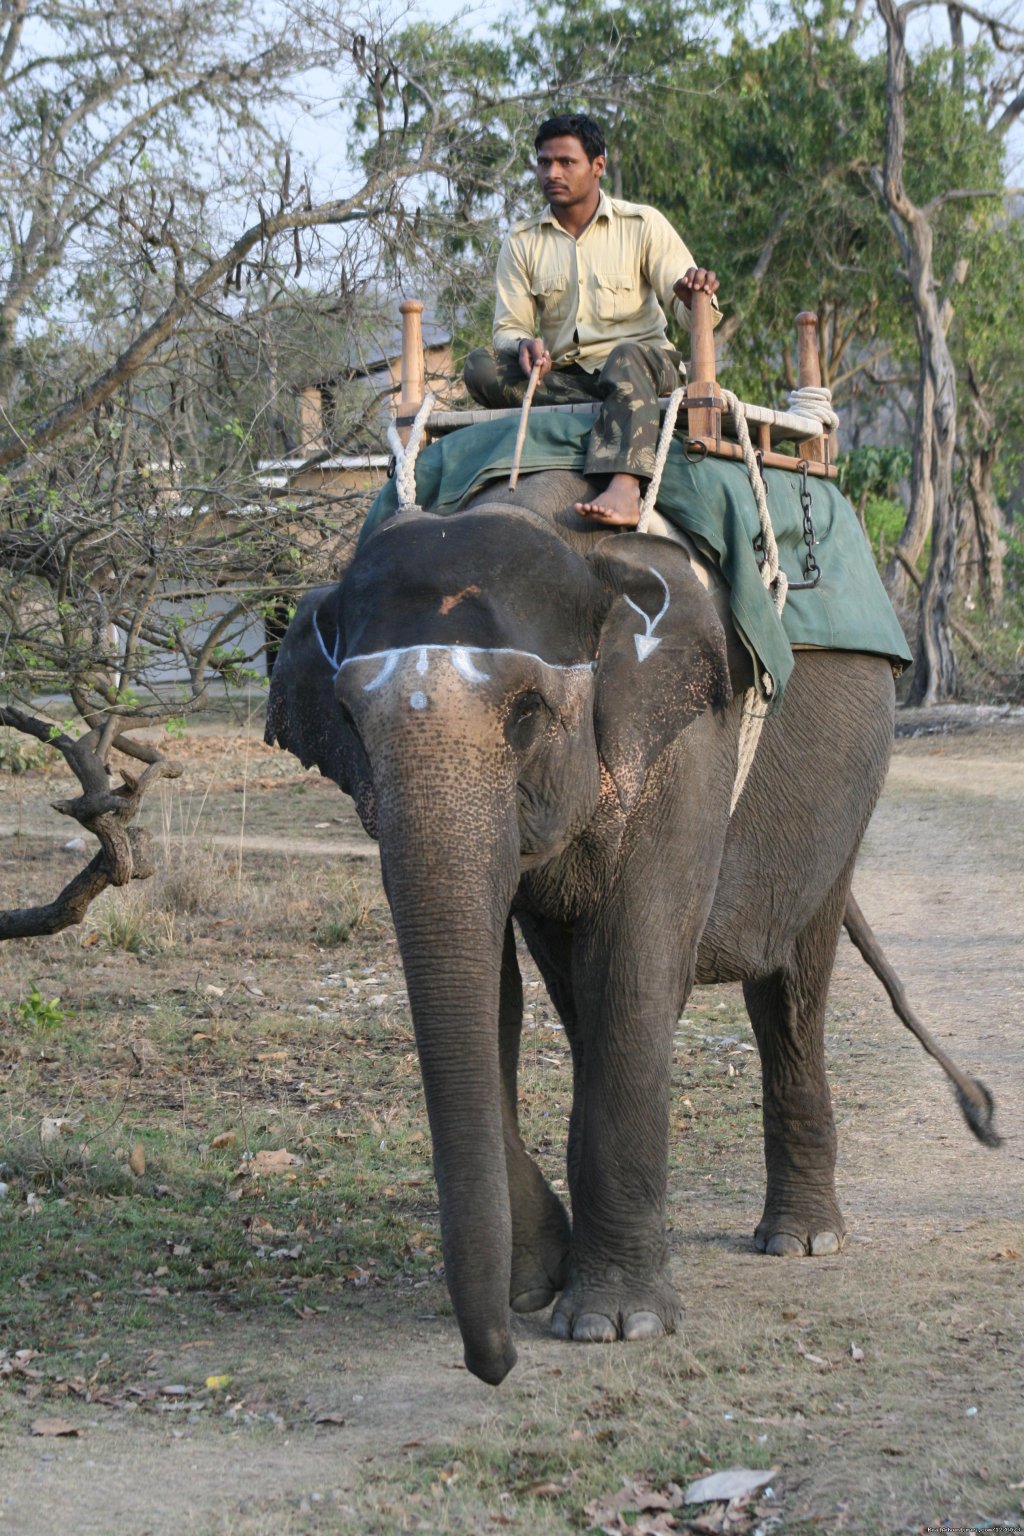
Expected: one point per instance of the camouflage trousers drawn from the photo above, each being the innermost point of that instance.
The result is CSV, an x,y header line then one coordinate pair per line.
x,y
624,438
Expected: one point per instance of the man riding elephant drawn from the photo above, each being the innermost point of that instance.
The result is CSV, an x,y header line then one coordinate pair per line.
x,y
582,291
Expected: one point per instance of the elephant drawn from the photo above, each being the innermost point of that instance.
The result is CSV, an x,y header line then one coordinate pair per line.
x,y
539,722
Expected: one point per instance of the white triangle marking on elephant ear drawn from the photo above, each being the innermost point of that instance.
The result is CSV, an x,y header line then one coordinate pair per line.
x,y
648,641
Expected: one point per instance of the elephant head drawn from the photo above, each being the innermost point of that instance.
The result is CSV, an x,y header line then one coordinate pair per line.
x,y
494,702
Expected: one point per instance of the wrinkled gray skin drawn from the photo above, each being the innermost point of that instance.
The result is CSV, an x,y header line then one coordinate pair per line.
x,y
476,685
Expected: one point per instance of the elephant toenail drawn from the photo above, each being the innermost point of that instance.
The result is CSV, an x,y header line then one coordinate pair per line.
x,y
560,1326
825,1242
593,1328
532,1301
643,1325
783,1245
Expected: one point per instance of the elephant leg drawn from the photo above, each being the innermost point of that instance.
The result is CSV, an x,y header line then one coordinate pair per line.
x,y
550,945
618,1284
787,1010
540,1225
618,1287
633,962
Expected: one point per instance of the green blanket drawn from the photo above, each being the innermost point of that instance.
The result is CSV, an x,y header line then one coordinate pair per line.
x,y
711,501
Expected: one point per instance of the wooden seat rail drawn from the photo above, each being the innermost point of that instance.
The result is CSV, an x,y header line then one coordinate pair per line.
x,y
704,421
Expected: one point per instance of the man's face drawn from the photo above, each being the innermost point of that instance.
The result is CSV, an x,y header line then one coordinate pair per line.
x,y
566,176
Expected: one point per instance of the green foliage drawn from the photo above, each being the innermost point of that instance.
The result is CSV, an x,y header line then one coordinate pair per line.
x,y
985,336
883,520
406,75
39,1012
873,471
1013,565
20,754
753,151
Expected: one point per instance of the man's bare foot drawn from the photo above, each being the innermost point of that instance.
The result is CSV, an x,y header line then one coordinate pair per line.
x,y
618,504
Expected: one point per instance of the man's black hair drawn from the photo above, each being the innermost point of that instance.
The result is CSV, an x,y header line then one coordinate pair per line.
x,y
573,125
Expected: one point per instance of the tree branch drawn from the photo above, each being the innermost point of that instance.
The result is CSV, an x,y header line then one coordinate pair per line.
x,y
107,813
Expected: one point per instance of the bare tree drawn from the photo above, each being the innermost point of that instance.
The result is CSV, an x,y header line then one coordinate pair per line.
x,y
143,362
936,422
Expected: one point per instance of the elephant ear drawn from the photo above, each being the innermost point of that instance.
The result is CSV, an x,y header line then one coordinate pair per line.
x,y
661,658
302,712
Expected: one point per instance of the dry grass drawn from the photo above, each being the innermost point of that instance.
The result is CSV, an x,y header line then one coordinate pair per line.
x,y
192,879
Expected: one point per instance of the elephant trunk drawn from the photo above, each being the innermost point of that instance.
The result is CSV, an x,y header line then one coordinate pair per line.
x,y
450,922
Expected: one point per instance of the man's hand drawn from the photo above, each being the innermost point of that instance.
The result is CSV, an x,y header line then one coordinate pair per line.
x,y
531,352
697,280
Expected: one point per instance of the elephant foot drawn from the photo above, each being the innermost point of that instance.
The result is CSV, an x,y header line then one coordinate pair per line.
x,y
540,1258
604,1313
793,1235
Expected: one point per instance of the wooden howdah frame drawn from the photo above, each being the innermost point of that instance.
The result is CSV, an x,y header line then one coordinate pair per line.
x,y
704,422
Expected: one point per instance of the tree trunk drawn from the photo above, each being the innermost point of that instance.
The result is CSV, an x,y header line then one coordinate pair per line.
x,y
979,455
968,559
935,676
911,541
988,524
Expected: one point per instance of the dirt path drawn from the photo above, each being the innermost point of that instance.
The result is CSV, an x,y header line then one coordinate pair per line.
x,y
940,878
929,1288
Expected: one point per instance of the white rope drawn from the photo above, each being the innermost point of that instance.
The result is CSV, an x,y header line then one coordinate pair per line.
x,y
668,426
773,577
815,402
406,453
755,699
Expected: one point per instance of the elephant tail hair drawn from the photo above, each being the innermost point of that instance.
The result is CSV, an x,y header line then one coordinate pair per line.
x,y
978,1109
976,1103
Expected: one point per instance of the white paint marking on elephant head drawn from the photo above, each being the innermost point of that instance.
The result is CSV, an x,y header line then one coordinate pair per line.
x,y
460,656
648,641
463,664
390,663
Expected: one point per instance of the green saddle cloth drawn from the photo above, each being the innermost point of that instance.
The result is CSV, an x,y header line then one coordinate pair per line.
x,y
712,501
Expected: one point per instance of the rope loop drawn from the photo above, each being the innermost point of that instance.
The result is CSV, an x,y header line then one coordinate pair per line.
x,y
772,575
777,583
668,426
407,453
811,400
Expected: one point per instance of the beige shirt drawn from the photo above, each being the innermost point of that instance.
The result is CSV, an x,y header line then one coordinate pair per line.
x,y
584,296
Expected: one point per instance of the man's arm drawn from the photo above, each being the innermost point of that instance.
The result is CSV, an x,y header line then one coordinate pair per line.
x,y
515,313
667,260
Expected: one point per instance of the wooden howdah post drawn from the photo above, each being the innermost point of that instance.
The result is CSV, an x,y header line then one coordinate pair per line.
x,y
704,415
412,376
808,373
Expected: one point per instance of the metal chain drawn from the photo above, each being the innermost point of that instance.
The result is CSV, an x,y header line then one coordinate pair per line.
x,y
758,539
812,570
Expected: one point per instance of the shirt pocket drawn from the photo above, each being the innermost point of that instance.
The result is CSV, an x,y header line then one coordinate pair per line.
x,y
616,295
551,295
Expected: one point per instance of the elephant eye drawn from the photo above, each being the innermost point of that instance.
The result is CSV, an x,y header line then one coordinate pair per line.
x,y
347,717
527,717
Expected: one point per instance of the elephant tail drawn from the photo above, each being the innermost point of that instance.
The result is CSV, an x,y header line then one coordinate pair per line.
x,y
975,1100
